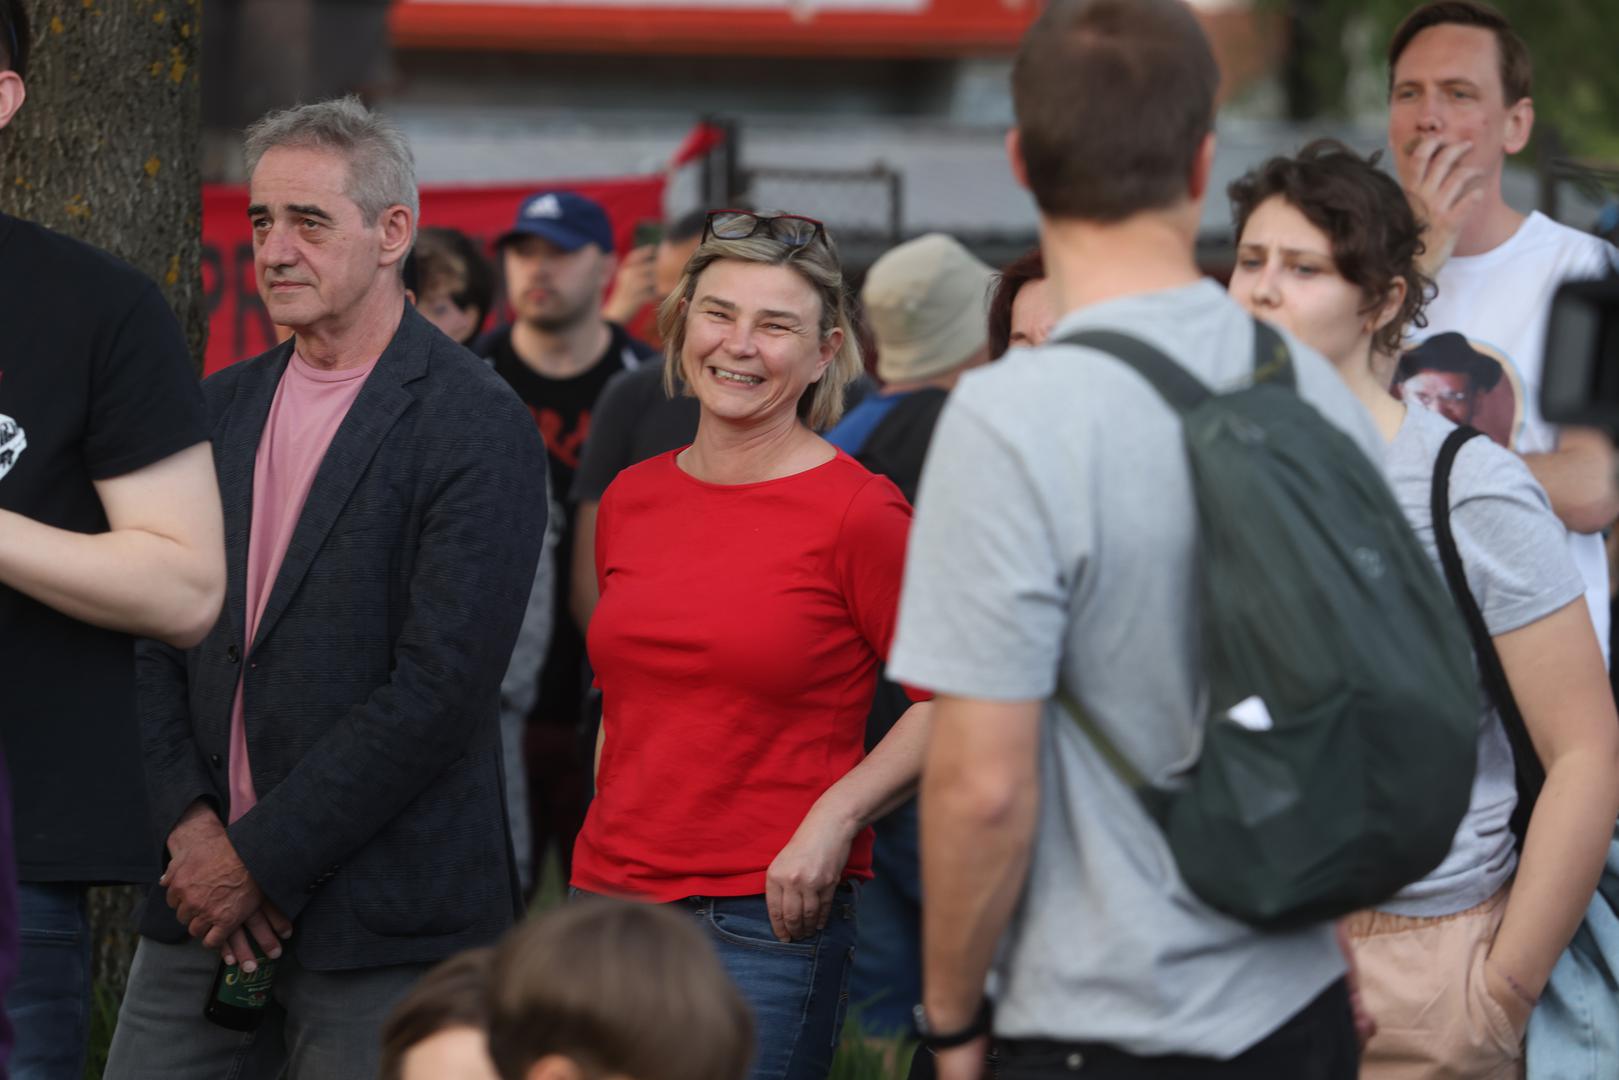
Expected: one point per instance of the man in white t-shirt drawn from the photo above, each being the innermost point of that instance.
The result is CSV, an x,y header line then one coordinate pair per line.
x,y
1459,106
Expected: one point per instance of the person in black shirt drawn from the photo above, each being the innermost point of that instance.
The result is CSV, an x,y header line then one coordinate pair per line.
x,y
558,354
110,528
927,302
635,419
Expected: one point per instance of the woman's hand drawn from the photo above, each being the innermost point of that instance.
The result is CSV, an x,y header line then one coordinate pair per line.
x,y
804,875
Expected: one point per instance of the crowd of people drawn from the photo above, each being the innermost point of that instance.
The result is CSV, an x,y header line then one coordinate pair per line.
x,y
351,642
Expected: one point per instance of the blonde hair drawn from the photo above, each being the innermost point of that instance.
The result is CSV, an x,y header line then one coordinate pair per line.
x,y
817,263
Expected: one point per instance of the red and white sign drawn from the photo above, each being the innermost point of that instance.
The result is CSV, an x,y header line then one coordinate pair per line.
x,y
239,326
758,27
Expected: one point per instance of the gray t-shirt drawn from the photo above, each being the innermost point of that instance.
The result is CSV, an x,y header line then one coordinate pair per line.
x,y
1056,530
1516,556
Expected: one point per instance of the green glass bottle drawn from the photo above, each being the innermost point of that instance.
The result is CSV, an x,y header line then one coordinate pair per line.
x,y
238,999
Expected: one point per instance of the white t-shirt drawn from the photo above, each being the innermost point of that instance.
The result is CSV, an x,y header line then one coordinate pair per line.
x,y
1501,300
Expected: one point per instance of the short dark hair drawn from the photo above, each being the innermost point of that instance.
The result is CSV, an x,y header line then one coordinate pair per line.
x,y
454,994
621,988
1512,55
1453,353
1027,267
16,40
688,226
1374,234
1113,101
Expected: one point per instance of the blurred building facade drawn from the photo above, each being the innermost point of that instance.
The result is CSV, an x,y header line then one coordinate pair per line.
x,y
886,118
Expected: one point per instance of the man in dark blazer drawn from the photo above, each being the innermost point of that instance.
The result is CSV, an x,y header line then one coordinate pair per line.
x,y
326,764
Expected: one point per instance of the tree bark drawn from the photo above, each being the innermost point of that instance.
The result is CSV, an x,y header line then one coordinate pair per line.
x,y
105,150
105,147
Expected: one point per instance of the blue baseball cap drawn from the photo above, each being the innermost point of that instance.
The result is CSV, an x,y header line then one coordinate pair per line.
x,y
565,218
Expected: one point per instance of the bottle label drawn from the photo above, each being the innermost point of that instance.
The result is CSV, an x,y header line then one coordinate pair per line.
x,y
244,991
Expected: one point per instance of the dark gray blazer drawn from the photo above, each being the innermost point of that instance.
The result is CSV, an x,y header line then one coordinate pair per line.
x,y
373,685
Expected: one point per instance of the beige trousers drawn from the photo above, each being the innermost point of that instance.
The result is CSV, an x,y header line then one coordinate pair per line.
x,y
1422,979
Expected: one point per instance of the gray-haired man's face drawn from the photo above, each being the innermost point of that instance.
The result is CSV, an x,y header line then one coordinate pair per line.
x,y
315,256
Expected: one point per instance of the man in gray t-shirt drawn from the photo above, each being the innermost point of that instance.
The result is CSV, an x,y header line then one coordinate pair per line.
x,y
1056,540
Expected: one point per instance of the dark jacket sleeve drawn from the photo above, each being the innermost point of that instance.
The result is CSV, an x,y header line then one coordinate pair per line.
x,y
177,775
476,551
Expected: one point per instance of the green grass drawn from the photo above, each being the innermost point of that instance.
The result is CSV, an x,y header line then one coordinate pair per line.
x,y
103,1018
870,1057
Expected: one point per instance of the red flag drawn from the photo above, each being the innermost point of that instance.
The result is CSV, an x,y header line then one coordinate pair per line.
x,y
699,141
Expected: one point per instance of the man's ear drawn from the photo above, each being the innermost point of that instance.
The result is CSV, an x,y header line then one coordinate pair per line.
x,y
12,93
1014,158
1520,125
1197,183
397,222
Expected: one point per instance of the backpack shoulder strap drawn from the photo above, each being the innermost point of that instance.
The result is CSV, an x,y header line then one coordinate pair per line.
x,y
1153,800
1272,360
1531,775
1179,387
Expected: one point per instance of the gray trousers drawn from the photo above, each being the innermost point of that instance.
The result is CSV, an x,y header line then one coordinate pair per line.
x,y
323,1025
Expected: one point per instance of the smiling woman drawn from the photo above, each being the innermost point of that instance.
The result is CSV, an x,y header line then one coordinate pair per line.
x,y
749,585
761,313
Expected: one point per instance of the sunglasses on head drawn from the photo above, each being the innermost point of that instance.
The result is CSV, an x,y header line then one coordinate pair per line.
x,y
794,230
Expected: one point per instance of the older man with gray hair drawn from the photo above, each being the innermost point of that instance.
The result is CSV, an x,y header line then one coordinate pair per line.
x,y
325,765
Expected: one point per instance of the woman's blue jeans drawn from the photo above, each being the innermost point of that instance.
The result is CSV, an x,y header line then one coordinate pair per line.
x,y
799,991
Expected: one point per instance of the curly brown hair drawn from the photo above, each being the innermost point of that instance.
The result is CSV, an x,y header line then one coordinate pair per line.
x,y
1375,236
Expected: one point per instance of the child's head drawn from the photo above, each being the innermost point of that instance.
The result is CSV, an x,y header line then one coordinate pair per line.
x,y
437,1031
607,988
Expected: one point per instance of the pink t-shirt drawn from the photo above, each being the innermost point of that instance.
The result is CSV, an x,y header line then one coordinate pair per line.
x,y
309,406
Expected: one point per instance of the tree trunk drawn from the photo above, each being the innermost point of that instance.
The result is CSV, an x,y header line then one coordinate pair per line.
x,y
105,150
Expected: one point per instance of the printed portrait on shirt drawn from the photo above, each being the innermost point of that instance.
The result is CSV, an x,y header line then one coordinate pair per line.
x,y
13,440
1467,382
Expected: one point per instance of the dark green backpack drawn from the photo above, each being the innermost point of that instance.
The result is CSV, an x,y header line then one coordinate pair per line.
x,y
1339,749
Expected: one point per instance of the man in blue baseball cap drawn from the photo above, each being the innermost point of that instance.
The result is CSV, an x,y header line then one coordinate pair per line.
x,y
558,353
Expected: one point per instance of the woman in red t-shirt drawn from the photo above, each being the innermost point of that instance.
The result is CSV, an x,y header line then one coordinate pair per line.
x,y
749,588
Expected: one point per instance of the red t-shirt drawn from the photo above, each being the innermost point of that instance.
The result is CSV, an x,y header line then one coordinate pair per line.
x,y
736,644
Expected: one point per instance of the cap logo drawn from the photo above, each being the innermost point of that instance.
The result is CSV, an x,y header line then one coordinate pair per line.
x,y
546,206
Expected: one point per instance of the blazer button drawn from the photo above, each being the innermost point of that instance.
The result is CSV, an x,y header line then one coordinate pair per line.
x,y
215,760
233,654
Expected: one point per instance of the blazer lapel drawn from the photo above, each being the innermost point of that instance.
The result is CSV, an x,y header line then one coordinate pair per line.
x,y
380,403
236,447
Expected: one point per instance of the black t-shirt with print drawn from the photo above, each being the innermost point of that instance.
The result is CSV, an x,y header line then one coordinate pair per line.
x,y
95,383
635,420
563,410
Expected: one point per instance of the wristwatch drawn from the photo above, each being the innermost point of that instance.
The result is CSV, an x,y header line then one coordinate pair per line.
x,y
937,1040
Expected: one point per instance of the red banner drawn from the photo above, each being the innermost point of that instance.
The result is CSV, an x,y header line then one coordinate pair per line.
x,y
239,326
717,27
